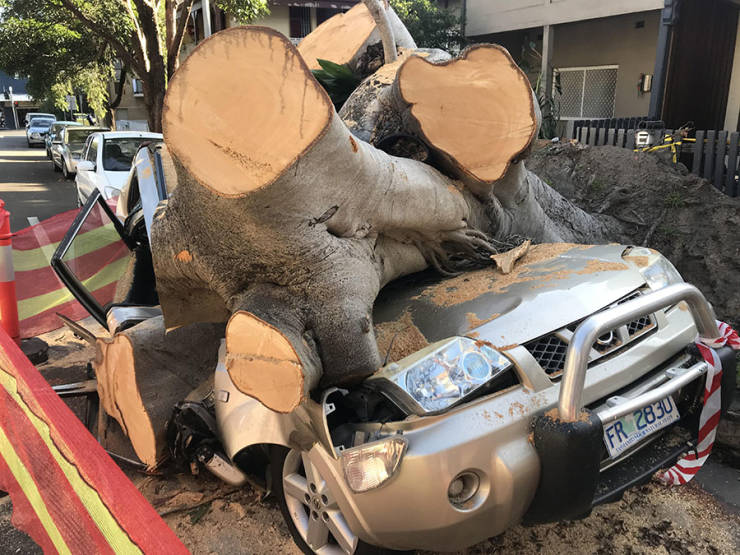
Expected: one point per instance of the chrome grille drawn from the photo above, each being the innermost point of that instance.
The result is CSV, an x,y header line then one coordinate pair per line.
x,y
549,350
639,325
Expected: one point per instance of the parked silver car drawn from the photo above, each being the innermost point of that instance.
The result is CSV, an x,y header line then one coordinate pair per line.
x,y
54,135
529,397
37,130
66,154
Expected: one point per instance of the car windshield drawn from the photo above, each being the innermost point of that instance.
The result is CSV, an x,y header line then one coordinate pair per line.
x,y
118,153
76,138
41,122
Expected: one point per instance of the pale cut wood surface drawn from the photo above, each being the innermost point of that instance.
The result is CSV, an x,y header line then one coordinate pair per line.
x,y
478,108
242,110
262,363
339,38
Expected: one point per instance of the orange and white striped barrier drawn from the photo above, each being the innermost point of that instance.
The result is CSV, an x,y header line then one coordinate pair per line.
x,y
98,258
68,495
8,306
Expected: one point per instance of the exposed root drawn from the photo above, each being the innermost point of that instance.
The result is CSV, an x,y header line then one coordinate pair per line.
x,y
463,250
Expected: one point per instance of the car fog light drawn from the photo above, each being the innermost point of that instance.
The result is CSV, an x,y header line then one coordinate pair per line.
x,y
368,466
463,488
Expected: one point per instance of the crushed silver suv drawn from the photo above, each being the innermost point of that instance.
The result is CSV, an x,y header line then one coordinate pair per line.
x,y
529,397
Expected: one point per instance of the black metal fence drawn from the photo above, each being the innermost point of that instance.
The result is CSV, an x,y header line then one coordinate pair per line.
x,y
713,155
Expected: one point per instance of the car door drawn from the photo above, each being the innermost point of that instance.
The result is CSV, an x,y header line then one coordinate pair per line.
x,y
87,179
56,147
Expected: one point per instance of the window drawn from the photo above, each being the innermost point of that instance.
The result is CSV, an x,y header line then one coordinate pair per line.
x,y
92,152
322,14
588,92
300,21
118,153
137,86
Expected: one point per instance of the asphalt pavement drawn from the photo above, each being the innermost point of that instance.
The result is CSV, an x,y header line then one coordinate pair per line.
x,y
28,185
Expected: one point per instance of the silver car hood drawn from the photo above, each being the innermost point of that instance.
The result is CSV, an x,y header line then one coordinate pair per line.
x,y
551,287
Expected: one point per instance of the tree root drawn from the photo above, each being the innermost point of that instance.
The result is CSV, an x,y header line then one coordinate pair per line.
x,y
463,250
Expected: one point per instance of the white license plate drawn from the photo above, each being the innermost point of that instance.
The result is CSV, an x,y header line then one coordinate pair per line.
x,y
633,428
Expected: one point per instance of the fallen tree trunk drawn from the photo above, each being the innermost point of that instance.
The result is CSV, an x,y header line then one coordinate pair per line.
x,y
344,38
143,372
300,223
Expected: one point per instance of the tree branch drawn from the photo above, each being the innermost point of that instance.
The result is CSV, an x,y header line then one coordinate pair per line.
x,y
380,15
173,47
119,89
142,42
100,29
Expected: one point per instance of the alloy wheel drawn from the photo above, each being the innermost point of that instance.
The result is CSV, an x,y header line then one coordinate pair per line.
x,y
313,509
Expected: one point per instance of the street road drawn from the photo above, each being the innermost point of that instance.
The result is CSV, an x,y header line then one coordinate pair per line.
x,y
28,185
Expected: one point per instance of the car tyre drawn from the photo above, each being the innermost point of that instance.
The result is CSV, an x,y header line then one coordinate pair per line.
x,y
287,466
54,166
65,172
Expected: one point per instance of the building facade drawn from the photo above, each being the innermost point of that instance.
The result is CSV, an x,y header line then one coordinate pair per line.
x,y
15,102
675,60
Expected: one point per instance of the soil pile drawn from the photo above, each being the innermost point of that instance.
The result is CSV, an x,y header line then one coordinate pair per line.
x,y
657,205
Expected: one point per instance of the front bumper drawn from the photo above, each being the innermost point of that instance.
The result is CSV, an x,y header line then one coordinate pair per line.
x,y
41,140
491,437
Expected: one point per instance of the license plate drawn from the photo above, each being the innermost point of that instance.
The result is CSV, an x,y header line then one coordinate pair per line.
x,y
633,428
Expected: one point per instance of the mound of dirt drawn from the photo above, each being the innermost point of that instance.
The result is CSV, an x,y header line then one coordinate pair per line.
x,y
657,205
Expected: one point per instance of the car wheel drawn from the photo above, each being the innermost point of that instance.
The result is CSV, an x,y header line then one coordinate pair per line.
x,y
309,509
54,166
65,172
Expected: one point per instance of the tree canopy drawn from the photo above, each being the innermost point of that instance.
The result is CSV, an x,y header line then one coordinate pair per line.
x,y
61,45
430,25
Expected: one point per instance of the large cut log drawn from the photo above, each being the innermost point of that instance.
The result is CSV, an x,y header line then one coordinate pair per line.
x,y
476,112
285,220
299,223
143,371
344,37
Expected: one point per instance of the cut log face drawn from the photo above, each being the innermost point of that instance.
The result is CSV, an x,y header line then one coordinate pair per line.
x,y
143,372
477,109
344,37
262,363
274,127
339,38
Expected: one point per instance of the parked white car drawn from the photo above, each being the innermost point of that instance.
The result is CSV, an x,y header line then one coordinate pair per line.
x,y
106,161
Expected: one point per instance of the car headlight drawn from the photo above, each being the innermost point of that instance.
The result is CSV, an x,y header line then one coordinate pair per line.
x,y
369,466
656,269
442,376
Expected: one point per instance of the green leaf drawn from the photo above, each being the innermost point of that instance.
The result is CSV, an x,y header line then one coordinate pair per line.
x,y
336,70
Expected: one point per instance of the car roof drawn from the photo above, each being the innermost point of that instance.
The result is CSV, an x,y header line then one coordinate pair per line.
x,y
69,123
31,115
89,128
134,134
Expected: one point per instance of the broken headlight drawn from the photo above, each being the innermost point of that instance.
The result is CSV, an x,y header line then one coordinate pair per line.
x,y
656,269
442,375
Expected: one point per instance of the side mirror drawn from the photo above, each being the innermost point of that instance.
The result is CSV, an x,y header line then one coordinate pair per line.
x,y
85,166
